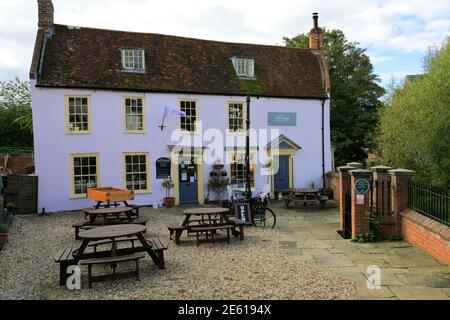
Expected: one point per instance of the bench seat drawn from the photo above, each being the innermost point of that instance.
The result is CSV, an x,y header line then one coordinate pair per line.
x,y
113,261
211,229
65,259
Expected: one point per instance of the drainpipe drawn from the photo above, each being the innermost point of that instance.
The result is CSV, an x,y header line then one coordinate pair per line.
x,y
323,143
248,189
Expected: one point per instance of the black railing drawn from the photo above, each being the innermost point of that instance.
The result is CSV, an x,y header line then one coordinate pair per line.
x,y
380,197
429,202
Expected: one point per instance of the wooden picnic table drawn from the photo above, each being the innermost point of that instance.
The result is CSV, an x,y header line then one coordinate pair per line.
x,y
202,212
207,216
302,196
110,235
114,212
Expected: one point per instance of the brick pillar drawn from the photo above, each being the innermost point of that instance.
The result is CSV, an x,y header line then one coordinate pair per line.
x,y
360,222
400,179
344,185
381,175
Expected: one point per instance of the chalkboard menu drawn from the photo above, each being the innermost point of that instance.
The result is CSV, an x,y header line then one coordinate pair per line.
x,y
243,212
162,168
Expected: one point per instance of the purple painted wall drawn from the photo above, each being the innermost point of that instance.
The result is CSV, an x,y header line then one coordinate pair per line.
x,y
53,146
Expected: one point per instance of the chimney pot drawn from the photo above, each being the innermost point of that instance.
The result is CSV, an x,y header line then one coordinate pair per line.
x,y
316,20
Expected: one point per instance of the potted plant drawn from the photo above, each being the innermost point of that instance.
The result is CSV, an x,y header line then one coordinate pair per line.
x,y
4,231
169,202
218,180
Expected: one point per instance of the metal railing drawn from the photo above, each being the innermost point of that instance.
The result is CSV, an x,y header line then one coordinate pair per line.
x,y
429,202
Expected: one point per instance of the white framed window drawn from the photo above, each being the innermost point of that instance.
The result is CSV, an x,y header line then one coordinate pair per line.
x,y
136,172
78,114
188,122
85,173
134,114
236,122
237,170
244,67
133,59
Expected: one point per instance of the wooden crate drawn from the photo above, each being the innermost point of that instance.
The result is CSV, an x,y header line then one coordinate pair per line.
x,y
109,194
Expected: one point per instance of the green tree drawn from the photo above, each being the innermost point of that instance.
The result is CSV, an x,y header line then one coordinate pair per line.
x,y
355,95
16,129
414,128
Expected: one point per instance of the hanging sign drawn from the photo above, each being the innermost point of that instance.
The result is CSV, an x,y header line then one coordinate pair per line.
x,y
162,168
243,212
362,186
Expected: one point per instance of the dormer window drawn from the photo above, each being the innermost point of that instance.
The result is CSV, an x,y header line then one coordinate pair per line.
x,y
133,60
244,67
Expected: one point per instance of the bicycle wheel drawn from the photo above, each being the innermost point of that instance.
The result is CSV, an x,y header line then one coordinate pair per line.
x,y
264,218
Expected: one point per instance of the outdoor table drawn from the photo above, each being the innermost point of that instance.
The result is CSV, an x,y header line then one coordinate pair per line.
x,y
105,212
302,195
222,212
112,233
202,212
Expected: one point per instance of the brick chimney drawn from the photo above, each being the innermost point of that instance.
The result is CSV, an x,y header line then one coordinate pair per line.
x,y
45,10
316,34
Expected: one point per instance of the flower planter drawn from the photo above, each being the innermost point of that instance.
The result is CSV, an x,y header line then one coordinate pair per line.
x,y
3,238
169,202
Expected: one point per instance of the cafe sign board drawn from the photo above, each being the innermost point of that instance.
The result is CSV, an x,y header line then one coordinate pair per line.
x,y
287,119
162,168
362,186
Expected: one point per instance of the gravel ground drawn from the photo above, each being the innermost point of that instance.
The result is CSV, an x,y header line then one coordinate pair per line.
x,y
255,268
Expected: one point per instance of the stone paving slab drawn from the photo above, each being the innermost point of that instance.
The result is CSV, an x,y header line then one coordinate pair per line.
x,y
406,272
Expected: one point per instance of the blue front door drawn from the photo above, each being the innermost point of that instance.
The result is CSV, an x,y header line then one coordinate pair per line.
x,y
281,179
188,182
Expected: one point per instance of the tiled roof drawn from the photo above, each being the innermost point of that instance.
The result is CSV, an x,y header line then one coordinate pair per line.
x,y
91,58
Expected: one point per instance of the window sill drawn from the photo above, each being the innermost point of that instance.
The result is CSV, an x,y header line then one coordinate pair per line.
x,y
75,197
135,132
143,192
72,133
134,71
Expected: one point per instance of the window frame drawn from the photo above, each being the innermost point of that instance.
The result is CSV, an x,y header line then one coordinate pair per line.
x,y
67,109
136,70
197,115
144,116
74,195
249,67
244,115
147,166
253,163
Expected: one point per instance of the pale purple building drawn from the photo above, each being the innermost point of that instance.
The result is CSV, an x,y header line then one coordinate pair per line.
x,y
99,97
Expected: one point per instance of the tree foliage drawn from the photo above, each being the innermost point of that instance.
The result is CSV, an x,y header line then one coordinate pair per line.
x,y
16,130
355,95
415,124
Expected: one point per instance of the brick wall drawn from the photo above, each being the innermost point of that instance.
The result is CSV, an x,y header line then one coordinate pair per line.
x,y
431,236
333,181
18,164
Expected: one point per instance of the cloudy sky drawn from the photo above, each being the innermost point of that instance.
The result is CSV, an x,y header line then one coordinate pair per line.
x,y
396,33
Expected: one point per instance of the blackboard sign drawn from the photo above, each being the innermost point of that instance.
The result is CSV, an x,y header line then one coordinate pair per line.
x,y
162,168
243,212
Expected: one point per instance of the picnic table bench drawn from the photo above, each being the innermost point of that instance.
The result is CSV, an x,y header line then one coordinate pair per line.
x,y
304,196
110,235
211,220
85,225
113,262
